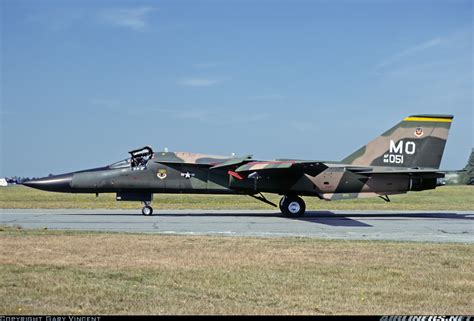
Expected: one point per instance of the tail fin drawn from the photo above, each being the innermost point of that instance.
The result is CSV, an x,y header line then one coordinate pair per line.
x,y
417,141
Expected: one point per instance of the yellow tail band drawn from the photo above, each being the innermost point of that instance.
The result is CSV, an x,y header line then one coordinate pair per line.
x,y
439,120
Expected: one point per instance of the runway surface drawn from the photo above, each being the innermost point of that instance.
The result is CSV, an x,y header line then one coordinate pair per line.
x,y
442,226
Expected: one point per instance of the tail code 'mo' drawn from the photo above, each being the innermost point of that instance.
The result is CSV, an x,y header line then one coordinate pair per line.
x,y
417,141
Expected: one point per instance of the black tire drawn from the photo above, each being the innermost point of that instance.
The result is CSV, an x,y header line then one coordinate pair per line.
x,y
292,206
147,210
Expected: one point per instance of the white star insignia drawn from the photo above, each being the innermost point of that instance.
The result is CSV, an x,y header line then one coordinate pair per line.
x,y
187,175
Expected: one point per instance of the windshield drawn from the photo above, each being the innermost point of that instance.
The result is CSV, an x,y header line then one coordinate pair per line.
x,y
121,164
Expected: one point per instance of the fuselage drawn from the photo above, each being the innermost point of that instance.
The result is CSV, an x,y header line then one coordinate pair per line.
x,y
178,172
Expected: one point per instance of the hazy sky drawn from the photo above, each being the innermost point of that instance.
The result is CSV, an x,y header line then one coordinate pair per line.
x,y
83,82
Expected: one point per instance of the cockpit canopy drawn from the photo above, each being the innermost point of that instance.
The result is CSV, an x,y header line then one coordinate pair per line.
x,y
137,161
140,157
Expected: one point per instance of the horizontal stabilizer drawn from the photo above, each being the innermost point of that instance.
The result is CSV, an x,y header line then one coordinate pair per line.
x,y
410,171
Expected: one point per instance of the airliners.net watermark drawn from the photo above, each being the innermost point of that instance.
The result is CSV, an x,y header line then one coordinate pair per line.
x,y
425,318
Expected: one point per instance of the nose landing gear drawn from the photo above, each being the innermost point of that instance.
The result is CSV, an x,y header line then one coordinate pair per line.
x,y
145,198
147,210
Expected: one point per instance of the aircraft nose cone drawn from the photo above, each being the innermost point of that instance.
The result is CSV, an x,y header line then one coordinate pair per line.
x,y
56,183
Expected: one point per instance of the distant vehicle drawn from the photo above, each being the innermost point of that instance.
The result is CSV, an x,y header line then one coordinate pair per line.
x,y
3,182
404,158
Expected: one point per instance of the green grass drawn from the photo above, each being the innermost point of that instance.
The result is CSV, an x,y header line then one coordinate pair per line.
x,y
54,272
442,198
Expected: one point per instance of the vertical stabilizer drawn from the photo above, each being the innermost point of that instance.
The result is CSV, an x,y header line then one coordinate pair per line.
x,y
417,141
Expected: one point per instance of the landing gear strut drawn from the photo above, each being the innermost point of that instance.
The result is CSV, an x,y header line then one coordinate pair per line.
x,y
147,210
292,206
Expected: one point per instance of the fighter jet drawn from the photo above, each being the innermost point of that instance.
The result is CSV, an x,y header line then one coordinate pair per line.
x,y
404,158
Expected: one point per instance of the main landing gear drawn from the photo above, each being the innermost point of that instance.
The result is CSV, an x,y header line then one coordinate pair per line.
x,y
147,210
292,206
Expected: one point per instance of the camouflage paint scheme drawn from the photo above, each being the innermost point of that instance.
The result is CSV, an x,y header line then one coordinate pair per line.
x,y
404,158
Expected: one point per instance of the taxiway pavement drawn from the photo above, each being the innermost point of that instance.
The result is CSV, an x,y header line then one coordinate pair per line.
x,y
423,226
